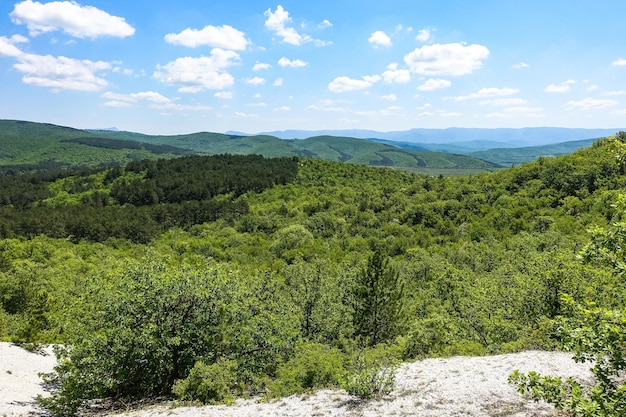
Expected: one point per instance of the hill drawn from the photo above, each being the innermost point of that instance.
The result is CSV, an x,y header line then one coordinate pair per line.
x,y
473,139
515,156
33,145
330,148
260,275
39,144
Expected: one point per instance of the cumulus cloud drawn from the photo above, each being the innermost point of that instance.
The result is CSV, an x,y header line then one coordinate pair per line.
x,y
260,66
379,38
279,21
423,35
521,65
619,62
395,75
8,48
503,102
227,95
615,93
283,108
446,59
57,73
590,104
390,97
255,81
197,74
69,17
128,100
518,112
345,84
434,84
224,36
326,24
487,93
296,63
278,82
564,87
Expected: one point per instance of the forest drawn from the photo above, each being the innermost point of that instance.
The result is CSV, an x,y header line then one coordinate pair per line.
x,y
206,278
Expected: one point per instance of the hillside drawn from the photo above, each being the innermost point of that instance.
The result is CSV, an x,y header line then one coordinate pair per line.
x,y
44,145
261,275
516,156
330,148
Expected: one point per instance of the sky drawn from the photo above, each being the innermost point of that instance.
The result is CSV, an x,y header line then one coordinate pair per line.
x,y
173,67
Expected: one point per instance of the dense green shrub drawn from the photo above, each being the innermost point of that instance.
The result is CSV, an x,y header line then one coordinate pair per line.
x,y
208,384
314,366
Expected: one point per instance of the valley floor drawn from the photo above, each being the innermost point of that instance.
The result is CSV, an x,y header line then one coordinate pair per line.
x,y
457,386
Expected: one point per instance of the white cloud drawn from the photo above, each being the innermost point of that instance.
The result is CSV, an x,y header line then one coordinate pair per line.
x,y
395,75
379,38
619,62
283,108
564,87
423,35
69,17
426,106
255,81
227,95
553,88
446,59
180,107
518,112
278,22
59,73
260,66
390,97
127,100
241,115
592,88
197,74
503,102
619,112
590,104
487,93
296,63
615,93
8,48
224,36
521,65
345,84
278,82
434,84
326,24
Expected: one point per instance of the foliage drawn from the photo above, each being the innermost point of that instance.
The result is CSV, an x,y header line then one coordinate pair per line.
x,y
208,384
594,334
336,259
313,366
378,300
372,376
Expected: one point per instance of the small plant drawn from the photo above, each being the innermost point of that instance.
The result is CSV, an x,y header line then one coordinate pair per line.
x,y
371,380
208,384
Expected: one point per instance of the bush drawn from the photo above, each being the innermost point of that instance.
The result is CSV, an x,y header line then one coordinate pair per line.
x,y
314,366
371,380
208,384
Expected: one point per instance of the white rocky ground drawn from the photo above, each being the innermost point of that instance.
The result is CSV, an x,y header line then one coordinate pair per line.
x,y
457,386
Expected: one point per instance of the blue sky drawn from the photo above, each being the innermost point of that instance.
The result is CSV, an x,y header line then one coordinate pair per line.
x,y
165,67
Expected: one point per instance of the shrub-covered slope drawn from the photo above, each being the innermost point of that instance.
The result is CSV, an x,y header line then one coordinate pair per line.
x,y
325,262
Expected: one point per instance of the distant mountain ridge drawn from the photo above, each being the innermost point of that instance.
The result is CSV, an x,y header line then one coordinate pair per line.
x,y
469,139
33,144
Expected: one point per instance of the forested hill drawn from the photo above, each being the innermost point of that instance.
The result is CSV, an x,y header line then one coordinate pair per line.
x,y
256,275
37,145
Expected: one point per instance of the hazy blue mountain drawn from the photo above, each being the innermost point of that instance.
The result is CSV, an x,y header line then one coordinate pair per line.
x,y
461,139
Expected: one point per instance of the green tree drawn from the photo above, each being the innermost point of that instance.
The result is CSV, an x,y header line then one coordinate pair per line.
x,y
595,335
378,301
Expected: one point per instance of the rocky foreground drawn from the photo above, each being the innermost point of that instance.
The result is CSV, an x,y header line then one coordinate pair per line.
x,y
457,386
